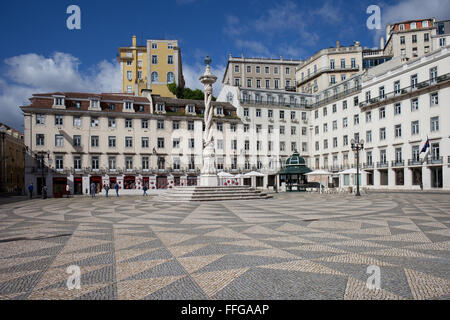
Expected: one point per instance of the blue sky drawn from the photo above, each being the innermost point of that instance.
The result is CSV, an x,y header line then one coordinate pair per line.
x,y
40,54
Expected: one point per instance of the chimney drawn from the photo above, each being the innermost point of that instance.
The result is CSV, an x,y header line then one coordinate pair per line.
x,y
134,41
381,43
338,44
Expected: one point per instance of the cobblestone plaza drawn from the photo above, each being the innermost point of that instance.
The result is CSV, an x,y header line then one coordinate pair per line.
x,y
294,246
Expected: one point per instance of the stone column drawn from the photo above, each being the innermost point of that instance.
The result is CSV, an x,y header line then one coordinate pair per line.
x,y
208,176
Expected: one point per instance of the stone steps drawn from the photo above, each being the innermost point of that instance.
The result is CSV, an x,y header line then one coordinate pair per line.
x,y
187,194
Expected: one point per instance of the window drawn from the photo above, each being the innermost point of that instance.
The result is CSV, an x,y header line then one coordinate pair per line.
x,y
154,59
397,87
434,125
234,144
368,116
415,104
334,108
145,142
59,120
160,143
144,124
398,131
415,127
333,79
128,142
267,70
356,119
433,75
382,113
335,125
191,125
282,130
281,114
220,144
342,63
344,105
192,143
383,158
293,131
369,136
249,69
40,119
59,163
288,70
170,59
345,140
426,37
335,142
258,128
355,102
155,77
220,126
249,83
317,146
77,121
293,115
59,101
128,105
382,134
325,144
414,81
270,113
77,141
130,75
236,68
246,112
219,110
325,127
276,84
233,127
128,123
237,82
129,163
293,146
367,96
145,163
175,125
111,142
95,104
332,64
275,70
246,127
316,130
258,83
414,38
345,123
40,139
434,99
381,92
170,77
325,111
160,124
77,163
397,109
353,63
282,146
176,143
129,89
59,140
94,141
154,45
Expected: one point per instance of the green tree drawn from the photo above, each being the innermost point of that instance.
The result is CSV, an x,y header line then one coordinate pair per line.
x,y
187,93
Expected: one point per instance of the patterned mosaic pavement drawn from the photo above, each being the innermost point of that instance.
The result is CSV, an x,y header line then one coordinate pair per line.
x,y
295,246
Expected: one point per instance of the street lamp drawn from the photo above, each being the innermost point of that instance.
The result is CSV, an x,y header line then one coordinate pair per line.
x,y
357,146
3,134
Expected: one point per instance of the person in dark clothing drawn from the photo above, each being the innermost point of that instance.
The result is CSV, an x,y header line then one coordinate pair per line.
x,y
117,189
30,190
145,190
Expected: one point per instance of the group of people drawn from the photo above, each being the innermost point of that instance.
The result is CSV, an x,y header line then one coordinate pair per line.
x,y
93,190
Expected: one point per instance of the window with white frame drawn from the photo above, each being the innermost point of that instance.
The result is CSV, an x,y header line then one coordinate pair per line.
x,y
434,99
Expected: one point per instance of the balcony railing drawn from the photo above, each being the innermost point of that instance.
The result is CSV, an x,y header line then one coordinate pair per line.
x,y
382,164
414,162
435,160
275,103
326,69
397,163
404,91
370,165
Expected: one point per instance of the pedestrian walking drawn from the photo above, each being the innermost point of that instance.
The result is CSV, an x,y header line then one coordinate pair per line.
x,y
30,190
145,190
117,189
106,190
93,189
67,191
44,192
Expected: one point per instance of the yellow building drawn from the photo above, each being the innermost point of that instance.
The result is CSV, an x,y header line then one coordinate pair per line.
x,y
151,67
11,160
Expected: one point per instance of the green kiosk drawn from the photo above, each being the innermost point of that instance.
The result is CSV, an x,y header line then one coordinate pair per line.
x,y
294,173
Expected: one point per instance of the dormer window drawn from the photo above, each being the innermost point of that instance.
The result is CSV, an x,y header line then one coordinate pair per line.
x,y
141,108
401,27
128,105
78,105
95,104
425,24
160,107
219,111
112,107
413,25
59,101
190,109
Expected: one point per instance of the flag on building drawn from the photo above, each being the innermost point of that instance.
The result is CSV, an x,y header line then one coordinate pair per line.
x,y
426,146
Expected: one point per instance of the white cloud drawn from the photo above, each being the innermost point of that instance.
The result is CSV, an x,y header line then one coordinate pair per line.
x,y
31,73
193,73
253,47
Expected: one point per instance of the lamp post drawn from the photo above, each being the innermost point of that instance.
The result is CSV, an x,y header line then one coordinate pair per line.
x,y
357,146
3,133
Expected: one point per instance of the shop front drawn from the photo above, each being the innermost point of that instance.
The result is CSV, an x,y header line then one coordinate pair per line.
x,y
59,187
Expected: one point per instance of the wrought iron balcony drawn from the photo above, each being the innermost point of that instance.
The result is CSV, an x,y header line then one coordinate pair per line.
x,y
414,162
435,160
397,163
370,165
383,164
